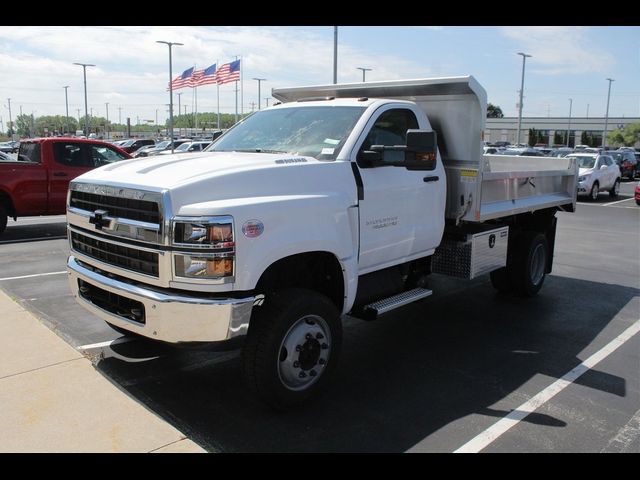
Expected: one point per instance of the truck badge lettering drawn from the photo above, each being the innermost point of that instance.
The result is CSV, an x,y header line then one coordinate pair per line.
x,y
492,240
291,160
382,222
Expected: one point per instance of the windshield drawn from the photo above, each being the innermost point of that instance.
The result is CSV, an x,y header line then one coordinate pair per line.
x,y
162,145
318,132
183,147
586,162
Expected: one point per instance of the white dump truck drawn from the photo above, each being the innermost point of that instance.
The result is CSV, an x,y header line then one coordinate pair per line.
x,y
341,199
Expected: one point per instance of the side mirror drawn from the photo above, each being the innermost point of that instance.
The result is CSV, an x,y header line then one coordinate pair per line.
x,y
370,158
421,152
603,167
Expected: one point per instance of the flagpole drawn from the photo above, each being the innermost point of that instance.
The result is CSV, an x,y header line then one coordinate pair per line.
x,y
218,89
195,91
241,89
236,82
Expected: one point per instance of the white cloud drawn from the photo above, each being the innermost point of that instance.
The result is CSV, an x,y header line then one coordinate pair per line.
x,y
132,69
561,50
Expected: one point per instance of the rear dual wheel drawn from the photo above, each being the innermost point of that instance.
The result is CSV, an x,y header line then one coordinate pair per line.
x,y
525,270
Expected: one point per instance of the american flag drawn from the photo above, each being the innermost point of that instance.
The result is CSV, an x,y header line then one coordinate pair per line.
x,y
196,78
183,80
208,75
229,72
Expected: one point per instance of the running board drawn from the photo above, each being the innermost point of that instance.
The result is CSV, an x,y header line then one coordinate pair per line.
x,y
375,309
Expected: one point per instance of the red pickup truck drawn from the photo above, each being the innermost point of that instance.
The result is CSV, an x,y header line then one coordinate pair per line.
x,y
36,183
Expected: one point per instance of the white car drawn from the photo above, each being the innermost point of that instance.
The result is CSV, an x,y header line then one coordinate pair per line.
x,y
596,173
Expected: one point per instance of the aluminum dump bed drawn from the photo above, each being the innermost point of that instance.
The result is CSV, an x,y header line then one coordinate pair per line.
x,y
479,187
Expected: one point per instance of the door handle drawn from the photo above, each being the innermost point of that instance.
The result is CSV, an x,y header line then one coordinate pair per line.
x,y
433,178
60,174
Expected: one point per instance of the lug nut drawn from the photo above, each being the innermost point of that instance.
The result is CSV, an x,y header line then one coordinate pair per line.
x,y
313,373
296,364
324,346
298,348
308,336
322,361
319,336
302,375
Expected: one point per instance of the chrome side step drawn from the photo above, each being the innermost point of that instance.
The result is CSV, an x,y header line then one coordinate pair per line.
x,y
375,309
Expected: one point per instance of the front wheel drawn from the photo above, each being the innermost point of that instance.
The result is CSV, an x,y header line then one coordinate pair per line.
x,y
615,190
292,347
595,190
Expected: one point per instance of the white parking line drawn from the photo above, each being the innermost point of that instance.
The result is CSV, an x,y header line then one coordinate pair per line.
x,y
492,433
32,276
617,201
107,343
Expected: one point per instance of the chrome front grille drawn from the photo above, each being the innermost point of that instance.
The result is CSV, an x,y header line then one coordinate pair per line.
x,y
119,255
119,207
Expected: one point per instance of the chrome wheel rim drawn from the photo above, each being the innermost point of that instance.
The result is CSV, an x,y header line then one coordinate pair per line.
x,y
594,191
304,352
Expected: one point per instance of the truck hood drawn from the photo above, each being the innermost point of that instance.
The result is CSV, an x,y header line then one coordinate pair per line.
x,y
585,171
197,178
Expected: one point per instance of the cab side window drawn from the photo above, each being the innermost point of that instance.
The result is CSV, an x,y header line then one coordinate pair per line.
x,y
391,128
68,154
101,155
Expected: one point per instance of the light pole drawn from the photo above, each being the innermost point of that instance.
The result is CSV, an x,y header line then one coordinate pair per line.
x,y
10,121
259,80
524,59
170,44
267,100
66,102
364,70
569,127
179,113
86,111
335,55
106,125
606,117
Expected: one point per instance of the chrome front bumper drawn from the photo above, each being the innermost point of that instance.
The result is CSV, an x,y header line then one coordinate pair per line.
x,y
168,317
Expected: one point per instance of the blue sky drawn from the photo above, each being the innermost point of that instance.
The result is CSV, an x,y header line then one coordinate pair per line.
x,y
132,70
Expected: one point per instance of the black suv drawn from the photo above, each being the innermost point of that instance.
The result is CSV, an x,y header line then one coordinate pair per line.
x,y
626,160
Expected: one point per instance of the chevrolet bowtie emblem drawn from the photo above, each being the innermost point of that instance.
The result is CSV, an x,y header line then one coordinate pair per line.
x,y
99,219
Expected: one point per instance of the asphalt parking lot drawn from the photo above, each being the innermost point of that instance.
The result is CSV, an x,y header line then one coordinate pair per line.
x,y
456,371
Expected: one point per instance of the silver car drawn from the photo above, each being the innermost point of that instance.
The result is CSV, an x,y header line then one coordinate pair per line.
x,y
596,173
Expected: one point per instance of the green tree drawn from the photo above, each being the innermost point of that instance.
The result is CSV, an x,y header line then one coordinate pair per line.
x,y
558,138
493,111
584,139
533,136
628,136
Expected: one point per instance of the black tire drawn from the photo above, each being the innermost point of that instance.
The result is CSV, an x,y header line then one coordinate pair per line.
x,y
3,218
270,369
528,269
501,281
595,189
613,193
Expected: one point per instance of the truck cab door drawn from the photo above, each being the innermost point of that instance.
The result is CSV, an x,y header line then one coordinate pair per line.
x,y
69,161
401,211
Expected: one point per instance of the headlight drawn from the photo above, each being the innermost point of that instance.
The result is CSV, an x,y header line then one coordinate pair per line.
x,y
583,178
214,232
206,235
200,266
